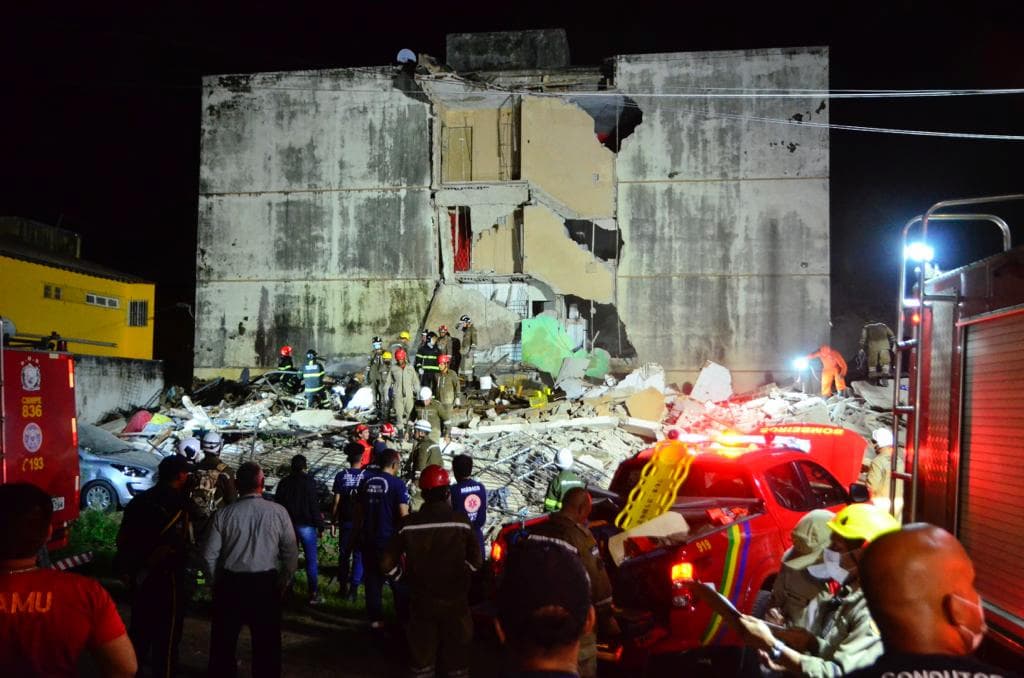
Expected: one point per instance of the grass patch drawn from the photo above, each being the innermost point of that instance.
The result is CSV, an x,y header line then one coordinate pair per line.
x,y
94,531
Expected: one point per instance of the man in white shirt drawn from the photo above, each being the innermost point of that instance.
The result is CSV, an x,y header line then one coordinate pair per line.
x,y
251,555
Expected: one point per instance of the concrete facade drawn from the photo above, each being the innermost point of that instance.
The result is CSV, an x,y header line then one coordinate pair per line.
x,y
334,203
103,384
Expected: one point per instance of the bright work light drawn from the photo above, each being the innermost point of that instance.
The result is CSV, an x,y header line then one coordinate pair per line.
x,y
801,364
919,251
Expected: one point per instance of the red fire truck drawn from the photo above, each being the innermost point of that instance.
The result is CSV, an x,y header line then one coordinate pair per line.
x,y
964,341
38,429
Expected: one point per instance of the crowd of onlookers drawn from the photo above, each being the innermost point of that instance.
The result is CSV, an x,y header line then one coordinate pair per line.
x,y
856,595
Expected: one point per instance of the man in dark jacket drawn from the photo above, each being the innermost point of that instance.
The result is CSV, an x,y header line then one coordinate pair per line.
x,y
469,496
152,551
297,493
441,554
350,560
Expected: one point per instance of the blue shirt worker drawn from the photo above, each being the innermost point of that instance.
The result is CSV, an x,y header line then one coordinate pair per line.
x,y
382,500
313,379
469,496
343,511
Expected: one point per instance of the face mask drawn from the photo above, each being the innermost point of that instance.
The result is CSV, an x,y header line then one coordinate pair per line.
x,y
830,568
972,639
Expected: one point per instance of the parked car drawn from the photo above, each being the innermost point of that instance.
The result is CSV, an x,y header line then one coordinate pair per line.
x,y
112,470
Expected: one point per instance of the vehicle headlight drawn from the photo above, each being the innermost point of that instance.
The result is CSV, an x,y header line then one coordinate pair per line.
x,y
131,471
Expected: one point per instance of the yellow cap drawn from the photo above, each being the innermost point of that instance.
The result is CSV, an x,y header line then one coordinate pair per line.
x,y
386,355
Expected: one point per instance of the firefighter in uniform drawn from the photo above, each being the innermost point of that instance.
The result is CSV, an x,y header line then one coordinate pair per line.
x,y
288,375
842,637
313,379
152,549
465,366
404,385
879,480
430,410
448,392
426,452
567,528
211,485
833,368
378,378
440,555
404,338
876,342
444,340
563,482
426,361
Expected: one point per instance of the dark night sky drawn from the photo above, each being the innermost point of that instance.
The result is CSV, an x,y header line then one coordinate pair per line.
x,y
101,112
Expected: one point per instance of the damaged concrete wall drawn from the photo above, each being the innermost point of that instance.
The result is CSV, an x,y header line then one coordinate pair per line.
x,y
315,221
494,323
562,157
552,256
472,133
724,218
104,384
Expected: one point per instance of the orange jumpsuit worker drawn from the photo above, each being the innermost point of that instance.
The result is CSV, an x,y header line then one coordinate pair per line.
x,y
833,367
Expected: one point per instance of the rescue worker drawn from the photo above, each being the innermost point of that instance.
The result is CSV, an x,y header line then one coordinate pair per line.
x,y
211,485
794,587
919,584
564,481
152,550
448,392
361,437
350,560
313,380
385,392
378,378
425,452
382,500
430,410
426,361
876,343
403,341
842,638
288,376
833,368
436,554
879,479
469,496
385,438
465,366
404,385
444,341
191,450
567,527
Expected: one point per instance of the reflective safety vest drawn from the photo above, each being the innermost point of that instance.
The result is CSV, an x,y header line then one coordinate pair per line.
x,y
559,485
313,377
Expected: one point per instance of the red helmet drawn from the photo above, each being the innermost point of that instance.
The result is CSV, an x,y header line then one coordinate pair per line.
x,y
387,430
286,351
362,427
442,328
434,476
400,354
444,359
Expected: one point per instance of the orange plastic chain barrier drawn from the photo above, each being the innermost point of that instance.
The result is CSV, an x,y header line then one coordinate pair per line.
x,y
659,482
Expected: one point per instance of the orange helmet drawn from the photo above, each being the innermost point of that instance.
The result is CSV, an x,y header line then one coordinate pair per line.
x,y
286,351
434,476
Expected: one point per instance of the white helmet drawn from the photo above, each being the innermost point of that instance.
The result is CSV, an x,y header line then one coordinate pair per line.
x,y
212,443
563,459
426,393
882,437
423,425
190,449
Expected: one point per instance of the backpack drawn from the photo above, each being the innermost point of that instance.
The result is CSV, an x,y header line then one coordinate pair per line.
x,y
203,494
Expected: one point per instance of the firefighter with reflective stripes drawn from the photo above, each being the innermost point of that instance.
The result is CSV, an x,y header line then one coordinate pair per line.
x,y
563,482
566,528
313,379
426,360
436,553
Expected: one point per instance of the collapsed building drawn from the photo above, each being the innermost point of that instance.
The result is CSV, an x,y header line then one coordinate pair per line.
x,y
664,207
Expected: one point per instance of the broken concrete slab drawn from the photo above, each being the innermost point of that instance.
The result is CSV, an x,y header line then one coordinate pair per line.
x,y
651,430
877,397
584,422
646,404
572,368
313,419
714,384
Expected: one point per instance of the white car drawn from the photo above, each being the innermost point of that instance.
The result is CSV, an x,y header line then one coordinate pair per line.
x,y
112,470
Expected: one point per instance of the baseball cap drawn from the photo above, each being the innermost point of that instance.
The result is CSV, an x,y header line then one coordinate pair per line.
x,y
544,595
810,537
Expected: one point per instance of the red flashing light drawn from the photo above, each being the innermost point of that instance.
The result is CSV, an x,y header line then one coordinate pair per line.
x,y
71,373
74,431
916,318
682,572
497,552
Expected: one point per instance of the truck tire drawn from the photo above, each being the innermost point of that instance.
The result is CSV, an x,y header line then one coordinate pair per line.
x,y
99,495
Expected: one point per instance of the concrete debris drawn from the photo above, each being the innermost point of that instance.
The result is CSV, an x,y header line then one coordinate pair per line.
x,y
311,419
714,384
646,404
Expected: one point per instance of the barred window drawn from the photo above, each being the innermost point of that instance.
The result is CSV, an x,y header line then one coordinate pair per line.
x,y
138,313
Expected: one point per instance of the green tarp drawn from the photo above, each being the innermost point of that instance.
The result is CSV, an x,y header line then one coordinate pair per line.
x,y
546,344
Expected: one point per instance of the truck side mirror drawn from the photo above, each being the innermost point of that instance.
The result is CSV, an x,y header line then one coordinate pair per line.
x,y
859,493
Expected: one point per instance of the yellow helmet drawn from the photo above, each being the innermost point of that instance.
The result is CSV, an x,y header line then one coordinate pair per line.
x,y
863,521
404,335
386,355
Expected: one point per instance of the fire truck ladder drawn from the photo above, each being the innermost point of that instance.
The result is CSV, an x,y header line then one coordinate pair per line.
x,y
911,346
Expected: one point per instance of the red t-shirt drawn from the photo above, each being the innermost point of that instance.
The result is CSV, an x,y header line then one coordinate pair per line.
x,y
367,453
47,618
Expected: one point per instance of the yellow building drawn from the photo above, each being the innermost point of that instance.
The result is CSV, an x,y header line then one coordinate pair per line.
x,y
45,289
